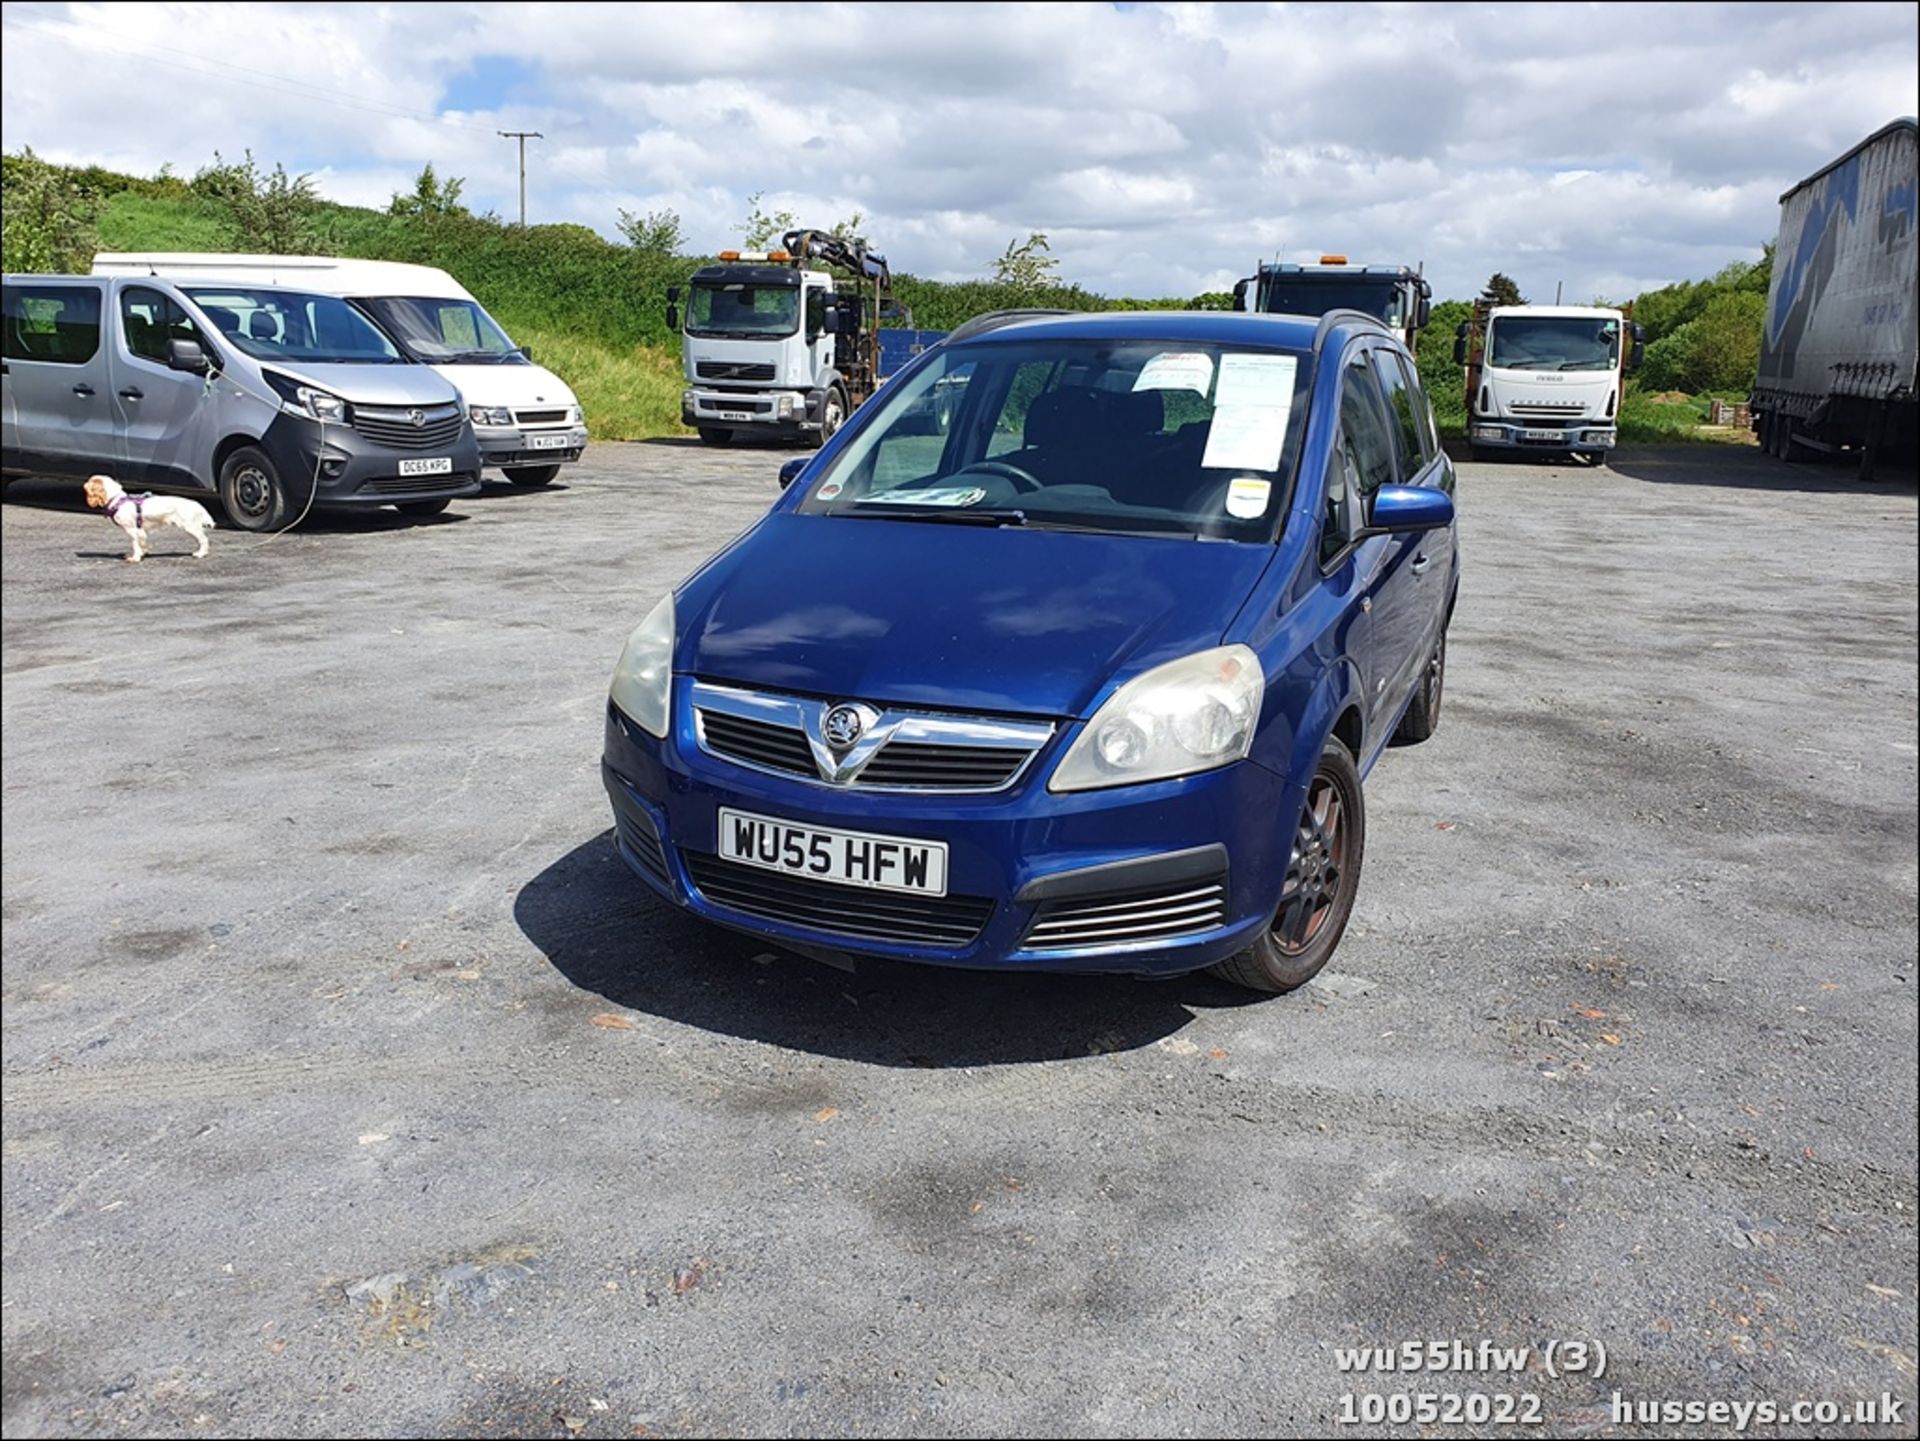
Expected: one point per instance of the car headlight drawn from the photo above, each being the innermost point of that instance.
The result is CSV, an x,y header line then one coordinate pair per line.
x,y
306,401
1188,715
645,674
490,414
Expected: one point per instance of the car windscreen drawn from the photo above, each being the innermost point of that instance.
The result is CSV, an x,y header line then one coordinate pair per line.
x,y
442,332
742,311
1149,436
291,325
1554,342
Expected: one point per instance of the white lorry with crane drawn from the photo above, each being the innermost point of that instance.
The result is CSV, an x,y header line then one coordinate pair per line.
x,y
1399,297
1546,377
785,343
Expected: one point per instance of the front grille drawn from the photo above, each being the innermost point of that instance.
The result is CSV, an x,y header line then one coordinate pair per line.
x,y
1129,919
415,484
737,402
726,370
899,764
950,922
539,417
936,767
759,743
440,427
638,840
1547,407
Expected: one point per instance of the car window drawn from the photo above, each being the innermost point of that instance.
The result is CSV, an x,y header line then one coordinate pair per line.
x,y
1422,409
1155,436
59,324
1363,427
150,320
1409,444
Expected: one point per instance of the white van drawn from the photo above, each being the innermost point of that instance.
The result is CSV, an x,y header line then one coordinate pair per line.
x,y
527,421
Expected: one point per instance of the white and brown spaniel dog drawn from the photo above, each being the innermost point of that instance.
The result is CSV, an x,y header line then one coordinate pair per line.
x,y
134,513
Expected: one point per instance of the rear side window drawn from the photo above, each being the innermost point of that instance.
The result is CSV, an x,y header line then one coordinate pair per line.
x,y
58,324
151,320
1404,407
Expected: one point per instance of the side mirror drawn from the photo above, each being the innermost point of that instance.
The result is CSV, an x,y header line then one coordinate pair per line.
x,y
1402,509
1423,314
830,321
1239,295
673,295
1460,331
1460,350
526,350
1634,355
1639,333
188,356
673,318
790,471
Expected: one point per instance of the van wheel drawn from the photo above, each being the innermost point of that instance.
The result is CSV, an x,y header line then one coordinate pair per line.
x,y
424,507
1422,717
532,475
1323,873
251,492
833,414
713,436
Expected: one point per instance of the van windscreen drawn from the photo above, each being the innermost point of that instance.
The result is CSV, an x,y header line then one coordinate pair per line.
x,y
271,324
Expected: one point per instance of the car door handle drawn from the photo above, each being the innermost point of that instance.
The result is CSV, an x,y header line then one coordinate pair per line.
x,y
133,392
83,389
1420,564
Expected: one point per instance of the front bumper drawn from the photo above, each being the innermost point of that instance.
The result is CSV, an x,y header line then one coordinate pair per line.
x,y
1575,435
1020,858
355,473
787,410
502,446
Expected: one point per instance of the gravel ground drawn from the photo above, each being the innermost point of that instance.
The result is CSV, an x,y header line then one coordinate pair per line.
x,y
353,1086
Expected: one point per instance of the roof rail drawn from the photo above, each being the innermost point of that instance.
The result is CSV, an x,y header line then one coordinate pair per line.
x,y
994,319
1343,317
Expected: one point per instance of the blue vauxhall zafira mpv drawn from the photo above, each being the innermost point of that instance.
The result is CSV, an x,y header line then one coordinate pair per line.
x,y
1068,653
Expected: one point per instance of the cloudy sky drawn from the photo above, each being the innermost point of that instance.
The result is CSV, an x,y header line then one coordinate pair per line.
x,y
1163,148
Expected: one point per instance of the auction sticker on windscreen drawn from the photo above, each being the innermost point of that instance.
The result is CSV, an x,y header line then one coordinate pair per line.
x,y
1251,406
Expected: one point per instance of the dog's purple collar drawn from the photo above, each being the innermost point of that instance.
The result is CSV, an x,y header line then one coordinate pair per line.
x,y
139,507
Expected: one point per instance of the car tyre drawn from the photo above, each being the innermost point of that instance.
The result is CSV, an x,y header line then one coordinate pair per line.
x,y
1316,896
251,492
713,435
532,475
422,508
1422,716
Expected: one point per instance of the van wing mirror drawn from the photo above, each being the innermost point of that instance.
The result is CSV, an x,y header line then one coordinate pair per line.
x,y
188,356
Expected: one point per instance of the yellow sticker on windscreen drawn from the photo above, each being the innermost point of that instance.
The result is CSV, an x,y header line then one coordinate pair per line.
x,y
1248,498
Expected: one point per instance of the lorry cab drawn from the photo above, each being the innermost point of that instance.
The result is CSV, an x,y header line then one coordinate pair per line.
x,y
527,421
271,399
758,350
1546,377
1396,295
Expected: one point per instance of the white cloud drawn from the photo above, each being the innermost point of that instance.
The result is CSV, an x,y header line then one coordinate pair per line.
x,y
1163,148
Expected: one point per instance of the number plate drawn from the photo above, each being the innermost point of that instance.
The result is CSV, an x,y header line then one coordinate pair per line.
x,y
846,858
734,414
549,442
1545,434
439,465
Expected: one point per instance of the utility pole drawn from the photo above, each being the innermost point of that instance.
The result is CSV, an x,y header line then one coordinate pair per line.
x,y
523,136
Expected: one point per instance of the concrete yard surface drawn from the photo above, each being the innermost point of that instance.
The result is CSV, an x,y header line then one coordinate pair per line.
x,y
353,1085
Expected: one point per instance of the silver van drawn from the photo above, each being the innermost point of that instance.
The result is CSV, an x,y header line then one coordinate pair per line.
x,y
267,397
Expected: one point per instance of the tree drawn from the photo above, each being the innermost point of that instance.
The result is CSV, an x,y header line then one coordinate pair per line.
x,y
762,229
655,233
49,219
1502,291
1027,267
277,214
431,198
1719,349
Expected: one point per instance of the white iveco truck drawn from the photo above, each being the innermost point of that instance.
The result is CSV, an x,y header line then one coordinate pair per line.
x,y
1546,377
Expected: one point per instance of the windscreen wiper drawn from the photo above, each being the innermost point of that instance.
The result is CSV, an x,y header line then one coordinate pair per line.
x,y
895,511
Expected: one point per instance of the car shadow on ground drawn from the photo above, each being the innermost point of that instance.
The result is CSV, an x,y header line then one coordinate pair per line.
x,y
606,933
1745,467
